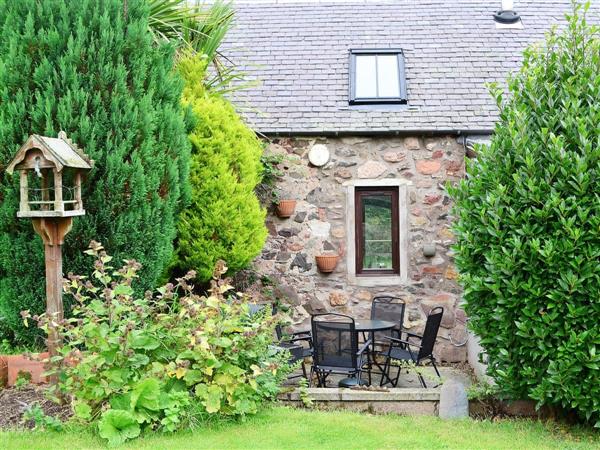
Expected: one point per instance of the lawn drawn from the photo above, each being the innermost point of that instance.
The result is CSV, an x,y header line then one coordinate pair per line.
x,y
283,428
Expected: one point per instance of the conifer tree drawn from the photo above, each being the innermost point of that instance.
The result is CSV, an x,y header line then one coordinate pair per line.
x,y
224,220
90,68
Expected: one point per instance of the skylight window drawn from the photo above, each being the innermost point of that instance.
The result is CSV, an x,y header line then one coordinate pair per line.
x,y
377,76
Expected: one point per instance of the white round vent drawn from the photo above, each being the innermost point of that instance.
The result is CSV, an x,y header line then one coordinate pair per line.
x,y
318,155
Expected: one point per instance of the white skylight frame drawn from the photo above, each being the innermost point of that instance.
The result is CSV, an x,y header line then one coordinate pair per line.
x,y
376,94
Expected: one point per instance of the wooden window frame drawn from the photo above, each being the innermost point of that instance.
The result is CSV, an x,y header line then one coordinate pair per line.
x,y
359,194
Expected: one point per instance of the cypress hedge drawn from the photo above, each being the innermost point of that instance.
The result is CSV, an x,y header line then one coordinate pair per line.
x,y
224,220
90,68
528,227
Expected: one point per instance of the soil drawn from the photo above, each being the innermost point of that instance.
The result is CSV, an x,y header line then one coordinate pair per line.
x,y
15,401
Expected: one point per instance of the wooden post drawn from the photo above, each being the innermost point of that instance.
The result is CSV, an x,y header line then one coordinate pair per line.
x,y
24,184
53,231
79,202
58,197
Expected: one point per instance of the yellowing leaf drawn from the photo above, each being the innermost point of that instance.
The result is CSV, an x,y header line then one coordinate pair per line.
x,y
180,373
212,302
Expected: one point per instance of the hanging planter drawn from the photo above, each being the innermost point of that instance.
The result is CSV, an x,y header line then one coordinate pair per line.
x,y
285,208
327,263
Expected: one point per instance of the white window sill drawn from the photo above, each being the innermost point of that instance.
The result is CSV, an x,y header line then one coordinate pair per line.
x,y
390,280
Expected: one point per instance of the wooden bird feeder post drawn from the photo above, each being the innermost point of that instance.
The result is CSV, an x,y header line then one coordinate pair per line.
x,y
51,171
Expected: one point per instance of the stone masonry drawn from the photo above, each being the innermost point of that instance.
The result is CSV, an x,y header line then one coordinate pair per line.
x,y
319,226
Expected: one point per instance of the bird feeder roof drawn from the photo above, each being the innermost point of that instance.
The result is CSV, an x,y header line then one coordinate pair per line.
x,y
61,151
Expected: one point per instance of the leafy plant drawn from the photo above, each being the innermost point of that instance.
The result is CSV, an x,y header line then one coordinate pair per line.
x,y
224,220
143,362
305,398
199,28
117,426
113,90
23,380
40,419
528,228
271,172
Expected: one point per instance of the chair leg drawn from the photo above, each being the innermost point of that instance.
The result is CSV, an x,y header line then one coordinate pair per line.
x,y
384,373
435,367
395,383
436,370
310,378
421,377
303,368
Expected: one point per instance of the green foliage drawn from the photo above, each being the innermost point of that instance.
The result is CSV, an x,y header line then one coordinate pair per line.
x,y
199,28
528,228
23,380
40,419
224,220
143,362
80,66
117,426
271,173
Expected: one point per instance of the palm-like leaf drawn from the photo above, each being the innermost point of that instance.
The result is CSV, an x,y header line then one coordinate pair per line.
x,y
199,28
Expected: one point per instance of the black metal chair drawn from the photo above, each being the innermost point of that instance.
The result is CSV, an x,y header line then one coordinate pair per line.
x,y
293,342
335,349
389,308
405,350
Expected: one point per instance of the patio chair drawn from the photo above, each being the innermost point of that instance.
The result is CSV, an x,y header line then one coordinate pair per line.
x,y
405,350
389,308
335,349
290,341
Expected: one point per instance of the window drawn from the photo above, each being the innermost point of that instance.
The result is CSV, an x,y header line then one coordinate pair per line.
x,y
377,230
377,76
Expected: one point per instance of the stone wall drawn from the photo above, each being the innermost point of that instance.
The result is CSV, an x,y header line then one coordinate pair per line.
x,y
320,225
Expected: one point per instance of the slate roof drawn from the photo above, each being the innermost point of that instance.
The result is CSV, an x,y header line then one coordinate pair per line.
x,y
298,52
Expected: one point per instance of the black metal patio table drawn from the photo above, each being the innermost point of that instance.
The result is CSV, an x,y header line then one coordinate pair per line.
x,y
369,326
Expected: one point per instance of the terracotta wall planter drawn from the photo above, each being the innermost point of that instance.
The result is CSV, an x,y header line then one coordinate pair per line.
x,y
20,363
285,208
327,263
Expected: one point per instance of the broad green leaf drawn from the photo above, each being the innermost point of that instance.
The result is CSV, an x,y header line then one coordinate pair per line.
x,y
118,426
145,394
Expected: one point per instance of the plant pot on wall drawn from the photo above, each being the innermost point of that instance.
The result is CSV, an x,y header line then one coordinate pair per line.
x,y
285,208
327,263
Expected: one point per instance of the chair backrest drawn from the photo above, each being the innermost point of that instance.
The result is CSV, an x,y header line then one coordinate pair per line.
x,y
260,308
335,342
256,308
387,307
434,319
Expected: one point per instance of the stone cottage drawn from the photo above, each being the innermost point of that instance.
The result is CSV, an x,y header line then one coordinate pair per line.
x,y
374,106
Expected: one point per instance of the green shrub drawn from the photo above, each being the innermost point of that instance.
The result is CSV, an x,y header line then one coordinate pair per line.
x,y
82,67
528,228
134,362
224,220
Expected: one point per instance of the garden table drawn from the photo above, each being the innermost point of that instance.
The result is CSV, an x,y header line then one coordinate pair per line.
x,y
369,326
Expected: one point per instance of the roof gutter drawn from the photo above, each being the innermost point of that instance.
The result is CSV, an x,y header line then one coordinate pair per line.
x,y
373,133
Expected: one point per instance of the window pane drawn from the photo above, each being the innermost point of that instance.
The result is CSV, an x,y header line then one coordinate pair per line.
x,y
377,234
366,76
387,76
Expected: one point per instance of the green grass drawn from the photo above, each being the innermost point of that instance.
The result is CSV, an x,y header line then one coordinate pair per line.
x,y
282,428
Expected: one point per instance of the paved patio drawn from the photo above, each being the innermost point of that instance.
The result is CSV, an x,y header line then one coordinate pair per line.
x,y
408,379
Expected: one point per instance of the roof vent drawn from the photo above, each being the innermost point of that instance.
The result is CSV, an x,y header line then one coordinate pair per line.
x,y
506,15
